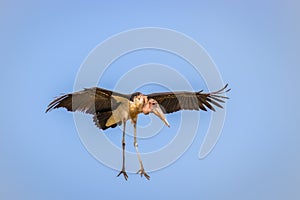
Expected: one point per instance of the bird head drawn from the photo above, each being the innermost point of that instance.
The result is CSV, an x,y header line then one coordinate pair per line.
x,y
153,107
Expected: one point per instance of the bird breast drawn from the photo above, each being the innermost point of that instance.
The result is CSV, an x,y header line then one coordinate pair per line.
x,y
134,110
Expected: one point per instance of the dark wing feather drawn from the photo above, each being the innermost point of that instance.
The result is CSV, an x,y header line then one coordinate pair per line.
x,y
100,119
88,100
175,101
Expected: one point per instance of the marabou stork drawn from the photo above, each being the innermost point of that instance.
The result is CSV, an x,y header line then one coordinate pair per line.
x,y
110,109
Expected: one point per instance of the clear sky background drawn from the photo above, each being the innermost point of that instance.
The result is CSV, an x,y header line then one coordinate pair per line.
x,y
256,47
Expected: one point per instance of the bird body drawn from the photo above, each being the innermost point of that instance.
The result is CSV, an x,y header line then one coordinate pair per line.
x,y
110,109
121,113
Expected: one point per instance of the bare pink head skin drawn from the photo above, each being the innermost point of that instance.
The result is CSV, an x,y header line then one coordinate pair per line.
x,y
151,106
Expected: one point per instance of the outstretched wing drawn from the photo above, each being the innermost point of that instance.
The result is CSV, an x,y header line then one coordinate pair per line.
x,y
91,101
101,118
175,101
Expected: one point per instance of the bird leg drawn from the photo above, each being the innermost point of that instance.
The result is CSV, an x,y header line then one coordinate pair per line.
x,y
123,158
141,171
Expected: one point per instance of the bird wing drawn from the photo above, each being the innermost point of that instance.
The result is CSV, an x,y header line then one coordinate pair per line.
x,y
91,101
175,101
100,120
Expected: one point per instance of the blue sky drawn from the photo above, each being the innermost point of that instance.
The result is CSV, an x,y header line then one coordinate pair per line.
x,y
255,46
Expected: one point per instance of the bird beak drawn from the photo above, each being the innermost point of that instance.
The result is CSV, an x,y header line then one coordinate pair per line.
x,y
159,113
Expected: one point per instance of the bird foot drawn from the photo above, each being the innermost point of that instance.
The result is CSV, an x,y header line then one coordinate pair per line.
x,y
142,172
124,173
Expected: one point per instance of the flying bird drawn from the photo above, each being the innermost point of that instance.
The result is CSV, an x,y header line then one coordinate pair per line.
x,y
110,109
